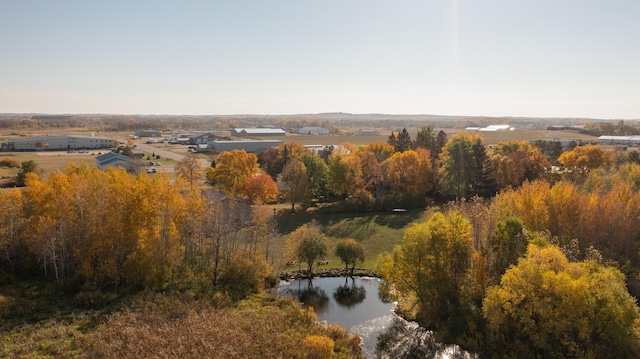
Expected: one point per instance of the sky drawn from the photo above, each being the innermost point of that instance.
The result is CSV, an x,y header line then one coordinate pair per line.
x,y
530,58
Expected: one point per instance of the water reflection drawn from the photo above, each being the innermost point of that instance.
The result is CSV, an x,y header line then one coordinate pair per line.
x,y
349,295
309,295
383,334
406,340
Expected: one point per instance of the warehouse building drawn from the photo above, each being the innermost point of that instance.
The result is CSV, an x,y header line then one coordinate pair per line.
x,y
619,140
58,143
249,146
314,131
149,134
257,132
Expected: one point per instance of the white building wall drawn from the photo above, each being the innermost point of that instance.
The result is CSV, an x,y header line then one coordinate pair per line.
x,y
316,131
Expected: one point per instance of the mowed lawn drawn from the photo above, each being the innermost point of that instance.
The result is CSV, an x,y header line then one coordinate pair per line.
x,y
377,232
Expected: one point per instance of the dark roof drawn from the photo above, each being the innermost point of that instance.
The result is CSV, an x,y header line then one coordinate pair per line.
x,y
110,158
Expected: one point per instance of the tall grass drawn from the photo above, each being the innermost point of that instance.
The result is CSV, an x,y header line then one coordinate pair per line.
x,y
260,327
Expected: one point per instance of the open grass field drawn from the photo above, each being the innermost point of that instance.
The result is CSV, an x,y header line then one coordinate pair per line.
x,y
377,232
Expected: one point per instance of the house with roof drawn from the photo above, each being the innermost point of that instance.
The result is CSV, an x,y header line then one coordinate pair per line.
x,y
116,160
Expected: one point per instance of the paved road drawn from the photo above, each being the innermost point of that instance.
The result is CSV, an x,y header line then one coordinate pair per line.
x,y
167,154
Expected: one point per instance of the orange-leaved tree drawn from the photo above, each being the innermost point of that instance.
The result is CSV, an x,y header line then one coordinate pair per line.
x,y
231,169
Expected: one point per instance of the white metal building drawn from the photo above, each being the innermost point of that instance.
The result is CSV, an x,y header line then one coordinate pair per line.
x,y
58,143
315,131
619,140
250,146
245,132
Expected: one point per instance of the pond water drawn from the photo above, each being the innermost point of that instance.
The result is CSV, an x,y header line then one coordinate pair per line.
x,y
357,305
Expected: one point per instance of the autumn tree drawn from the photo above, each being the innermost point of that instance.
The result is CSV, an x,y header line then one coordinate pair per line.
x,y
11,222
232,168
269,162
243,274
52,223
307,244
516,161
347,179
258,188
408,172
28,166
373,172
547,306
507,244
290,151
189,169
316,173
381,151
159,250
350,253
583,159
296,182
337,175
434,265
564,206
224,220
263,230
529,203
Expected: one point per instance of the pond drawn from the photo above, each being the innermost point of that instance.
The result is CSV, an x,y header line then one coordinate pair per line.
x,y
357,305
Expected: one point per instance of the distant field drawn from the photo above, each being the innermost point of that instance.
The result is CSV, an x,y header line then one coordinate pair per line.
x,y
51,161
490,138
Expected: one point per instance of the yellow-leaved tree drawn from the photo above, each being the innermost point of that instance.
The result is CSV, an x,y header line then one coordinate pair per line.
x,y
547,306
433,265
231,169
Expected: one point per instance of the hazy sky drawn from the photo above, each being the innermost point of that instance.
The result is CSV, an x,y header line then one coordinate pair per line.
x,y
549,58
